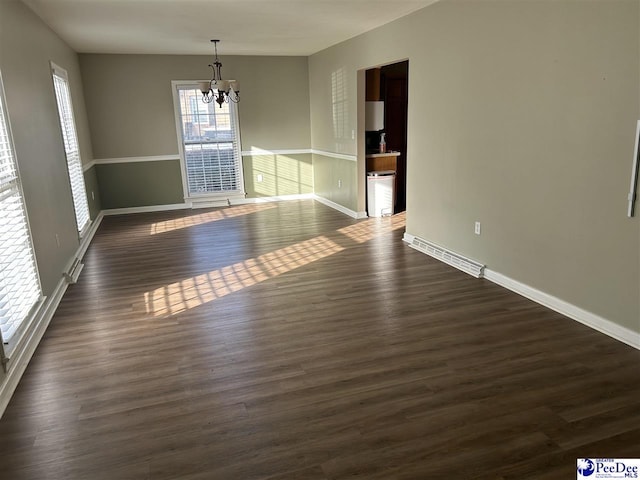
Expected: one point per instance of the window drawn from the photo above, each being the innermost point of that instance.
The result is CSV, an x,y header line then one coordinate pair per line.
x,y
71,148
210,142
339,101
19,283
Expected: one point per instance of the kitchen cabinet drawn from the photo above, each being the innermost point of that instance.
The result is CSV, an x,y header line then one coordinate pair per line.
x,y
377,162
372,90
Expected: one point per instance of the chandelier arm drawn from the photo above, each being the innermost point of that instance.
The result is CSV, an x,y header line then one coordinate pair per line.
x,y
219,90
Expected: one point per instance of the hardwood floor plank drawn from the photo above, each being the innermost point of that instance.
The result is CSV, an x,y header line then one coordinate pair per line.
x,y
288,341
562,464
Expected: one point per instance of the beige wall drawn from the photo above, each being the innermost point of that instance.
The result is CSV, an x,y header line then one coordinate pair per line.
x,y
27,46
521,116
130,106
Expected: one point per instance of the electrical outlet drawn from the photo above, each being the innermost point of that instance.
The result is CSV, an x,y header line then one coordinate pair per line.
x,y
57,240
259,178
339,183
93,197
353,134
477,229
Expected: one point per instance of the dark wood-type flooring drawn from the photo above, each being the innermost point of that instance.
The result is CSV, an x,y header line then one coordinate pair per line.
x,y
288,341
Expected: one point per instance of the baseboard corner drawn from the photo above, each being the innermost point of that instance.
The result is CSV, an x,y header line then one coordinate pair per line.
x,y
340,208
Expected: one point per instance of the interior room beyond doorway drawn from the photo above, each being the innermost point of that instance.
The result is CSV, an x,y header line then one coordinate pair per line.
x,y
386,125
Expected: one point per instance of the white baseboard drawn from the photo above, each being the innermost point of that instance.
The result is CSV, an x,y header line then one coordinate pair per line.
x,y
236,201
222,203
340,208
84,244
567,309
277,198
149,208
21,355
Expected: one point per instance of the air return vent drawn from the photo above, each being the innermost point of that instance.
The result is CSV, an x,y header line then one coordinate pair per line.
x,y
208,203
471,267
73,272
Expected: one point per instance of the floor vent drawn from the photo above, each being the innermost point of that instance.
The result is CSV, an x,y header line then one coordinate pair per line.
x,y
471,267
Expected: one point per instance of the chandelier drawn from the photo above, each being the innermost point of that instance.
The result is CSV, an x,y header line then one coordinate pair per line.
x,y
218,89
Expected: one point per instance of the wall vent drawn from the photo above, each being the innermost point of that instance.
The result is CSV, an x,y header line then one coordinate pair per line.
x,y
467,265
72,274
209,203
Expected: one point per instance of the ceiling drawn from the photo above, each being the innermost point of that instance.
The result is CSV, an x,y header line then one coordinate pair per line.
x,y
245,27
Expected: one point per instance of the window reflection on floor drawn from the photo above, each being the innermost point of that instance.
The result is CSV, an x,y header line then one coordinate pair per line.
x,y
374,227
195,291
206,217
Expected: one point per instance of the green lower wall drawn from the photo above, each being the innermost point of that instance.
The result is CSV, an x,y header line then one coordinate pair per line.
x,y
280,175
336,180
140,184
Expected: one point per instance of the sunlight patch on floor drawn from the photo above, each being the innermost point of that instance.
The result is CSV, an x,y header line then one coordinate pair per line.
x,y
207,217
201,289
373,227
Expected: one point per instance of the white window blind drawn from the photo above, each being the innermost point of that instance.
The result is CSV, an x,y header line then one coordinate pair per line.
x,y
211,144
71,147
19,284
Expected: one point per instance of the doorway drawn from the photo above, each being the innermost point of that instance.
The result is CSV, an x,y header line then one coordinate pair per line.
x,y
389,85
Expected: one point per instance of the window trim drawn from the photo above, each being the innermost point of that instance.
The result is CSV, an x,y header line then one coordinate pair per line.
x,y
7,350
57,70
238,194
